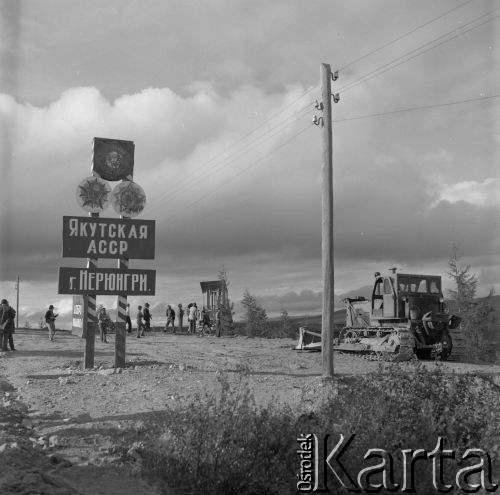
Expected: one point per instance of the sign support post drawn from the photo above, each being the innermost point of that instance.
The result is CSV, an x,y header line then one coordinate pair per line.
x,y
121,337
90,317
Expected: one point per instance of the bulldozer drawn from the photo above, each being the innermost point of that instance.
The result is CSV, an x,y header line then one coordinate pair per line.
x,y
405,318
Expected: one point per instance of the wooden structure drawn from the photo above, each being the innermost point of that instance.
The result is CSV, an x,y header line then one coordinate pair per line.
x,y
215,296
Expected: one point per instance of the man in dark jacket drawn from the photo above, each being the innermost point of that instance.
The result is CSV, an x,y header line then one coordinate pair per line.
x,y
147,318
50,319
7,326
170,318
140,326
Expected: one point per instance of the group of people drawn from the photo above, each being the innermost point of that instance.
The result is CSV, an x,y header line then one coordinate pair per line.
x,y
143,321
194,315
7,325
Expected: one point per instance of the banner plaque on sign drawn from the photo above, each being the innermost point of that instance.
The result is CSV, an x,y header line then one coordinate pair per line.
x,y
79,326
106,281
113,159
108,238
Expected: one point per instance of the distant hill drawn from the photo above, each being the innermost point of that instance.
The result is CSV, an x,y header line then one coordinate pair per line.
x,y
495,303
365,291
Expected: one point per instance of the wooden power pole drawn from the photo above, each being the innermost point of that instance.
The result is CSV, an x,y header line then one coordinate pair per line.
x,y
327,224
17,303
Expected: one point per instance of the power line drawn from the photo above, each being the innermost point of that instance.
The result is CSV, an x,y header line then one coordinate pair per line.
x,y
409,109
389,65
236,153
231,158
385,45
236,175
379,71
421,107
187,177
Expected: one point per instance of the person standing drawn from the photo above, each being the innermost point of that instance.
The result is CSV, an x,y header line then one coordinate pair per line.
x,y
140,326
7,326
147,318
128,321
50,319
218,322
205,321
180,316
192,318
188,317
103,322
170,318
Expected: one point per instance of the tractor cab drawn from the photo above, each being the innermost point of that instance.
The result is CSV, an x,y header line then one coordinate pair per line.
x,y
406,296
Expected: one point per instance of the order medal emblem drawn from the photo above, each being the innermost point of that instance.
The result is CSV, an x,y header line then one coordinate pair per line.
x,y
128,199
93,194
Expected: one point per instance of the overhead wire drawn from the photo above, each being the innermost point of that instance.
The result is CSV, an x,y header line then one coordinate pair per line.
x,y
236,175
228,160
359,117
376,72
186,178
406,58
420,107
399,38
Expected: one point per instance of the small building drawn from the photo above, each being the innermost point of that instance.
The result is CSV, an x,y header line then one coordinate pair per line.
x,y
215,296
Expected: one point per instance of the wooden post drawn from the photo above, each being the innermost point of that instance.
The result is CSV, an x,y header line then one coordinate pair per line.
x,y
91,317
17,303
327,227
120,332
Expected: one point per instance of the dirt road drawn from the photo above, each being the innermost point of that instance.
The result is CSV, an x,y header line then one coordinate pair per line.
x,y
83,409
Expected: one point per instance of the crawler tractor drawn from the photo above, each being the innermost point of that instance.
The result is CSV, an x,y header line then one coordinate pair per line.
x,y
405,317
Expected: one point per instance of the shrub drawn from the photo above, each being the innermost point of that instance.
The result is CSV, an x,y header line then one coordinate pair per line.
x,y
226,444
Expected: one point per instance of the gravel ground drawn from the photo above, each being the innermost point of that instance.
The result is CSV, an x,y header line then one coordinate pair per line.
x,y
64,419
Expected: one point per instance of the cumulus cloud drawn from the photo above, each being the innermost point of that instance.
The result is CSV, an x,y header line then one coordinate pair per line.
x,y
260,197
482,193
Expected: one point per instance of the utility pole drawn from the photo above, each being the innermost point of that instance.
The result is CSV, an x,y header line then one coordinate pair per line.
x,y
17,303
327,219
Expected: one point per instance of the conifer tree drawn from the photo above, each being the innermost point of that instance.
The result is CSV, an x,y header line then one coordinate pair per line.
x,y
475,314
256,320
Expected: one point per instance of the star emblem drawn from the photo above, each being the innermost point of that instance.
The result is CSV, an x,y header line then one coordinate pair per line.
x,y
93,194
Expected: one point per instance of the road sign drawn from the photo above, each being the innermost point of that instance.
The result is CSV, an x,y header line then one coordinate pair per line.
x,y
87,237
107,281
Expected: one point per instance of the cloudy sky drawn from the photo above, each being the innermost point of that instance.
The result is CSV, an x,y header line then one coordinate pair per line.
x,y
218,97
